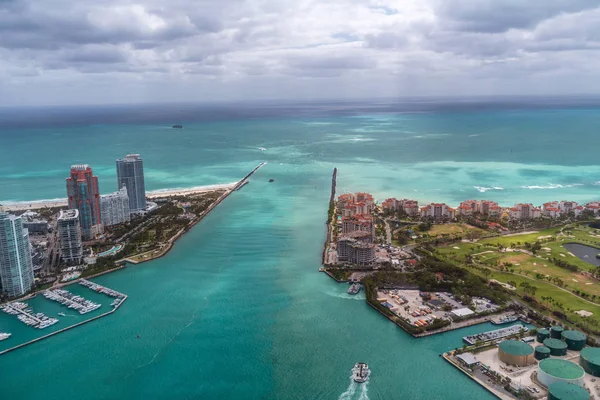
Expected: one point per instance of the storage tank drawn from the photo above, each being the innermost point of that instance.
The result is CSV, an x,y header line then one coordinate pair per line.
x,y
556,332
541,352
575,340
542,334
515,352
589,359
557,347
567,391
553,370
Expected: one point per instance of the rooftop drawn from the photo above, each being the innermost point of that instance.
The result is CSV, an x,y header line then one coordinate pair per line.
x,y
561,368
516,347
69,214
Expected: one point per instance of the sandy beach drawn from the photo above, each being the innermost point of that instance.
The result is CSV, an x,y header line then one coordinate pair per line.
x,y
155,194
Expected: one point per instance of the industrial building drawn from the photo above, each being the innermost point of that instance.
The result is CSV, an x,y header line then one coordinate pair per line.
x,y
542,334
567,391
552,370
589,359
541,353
69,235
575,340
515,352
557,347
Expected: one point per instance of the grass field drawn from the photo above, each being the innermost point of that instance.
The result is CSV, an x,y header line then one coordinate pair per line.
x,y
454,229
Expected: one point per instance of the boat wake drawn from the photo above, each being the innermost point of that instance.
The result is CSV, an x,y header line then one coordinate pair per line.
x,y
354,388
350,391
346,296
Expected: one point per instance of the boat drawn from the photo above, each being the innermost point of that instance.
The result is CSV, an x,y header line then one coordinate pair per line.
x,y
354,288
360,372
62,314
504,320
271,180
177,126
4,336
598,255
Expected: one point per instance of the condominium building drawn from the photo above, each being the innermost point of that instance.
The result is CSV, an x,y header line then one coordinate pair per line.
x,y
488,207
69,234
350,204
567,207
358,223
551,209
16,267
114,207
593,207
130,173
438,211
354,251
524,211
410,207
84,196
467,207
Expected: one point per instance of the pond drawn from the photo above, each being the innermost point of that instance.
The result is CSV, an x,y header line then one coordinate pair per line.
x,y
583,252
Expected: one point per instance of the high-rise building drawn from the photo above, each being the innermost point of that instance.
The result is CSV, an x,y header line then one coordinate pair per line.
x,y
114,207
130,173
84,196
69,234
16,268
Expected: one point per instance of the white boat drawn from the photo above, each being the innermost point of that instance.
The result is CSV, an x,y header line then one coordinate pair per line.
x,y
4,336
360,372
62,314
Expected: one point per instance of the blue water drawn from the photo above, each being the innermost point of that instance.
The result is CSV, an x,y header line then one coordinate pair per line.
x,y
238,310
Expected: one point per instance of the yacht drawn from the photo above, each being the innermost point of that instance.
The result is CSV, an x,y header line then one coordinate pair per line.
x,y
4,336
354,289
360,372
504,320
62,314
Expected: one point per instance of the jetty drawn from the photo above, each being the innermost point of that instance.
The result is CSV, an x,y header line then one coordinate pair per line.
x,y
245,179
26,315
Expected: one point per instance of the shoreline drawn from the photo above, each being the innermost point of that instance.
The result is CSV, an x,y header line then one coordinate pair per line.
x,y
154,194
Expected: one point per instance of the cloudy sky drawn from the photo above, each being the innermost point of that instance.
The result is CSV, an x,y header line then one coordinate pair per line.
x,y
121,51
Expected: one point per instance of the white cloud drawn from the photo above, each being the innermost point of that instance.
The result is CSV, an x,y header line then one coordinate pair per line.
x,y
60,51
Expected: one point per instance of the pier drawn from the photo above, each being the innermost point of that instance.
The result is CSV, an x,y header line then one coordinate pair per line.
x,y
18,311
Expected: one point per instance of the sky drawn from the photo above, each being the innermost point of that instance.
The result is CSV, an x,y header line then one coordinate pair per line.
x,y
121,51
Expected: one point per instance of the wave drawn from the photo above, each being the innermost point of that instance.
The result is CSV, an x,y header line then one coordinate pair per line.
x,y
25,202
552,186
483,189
475,135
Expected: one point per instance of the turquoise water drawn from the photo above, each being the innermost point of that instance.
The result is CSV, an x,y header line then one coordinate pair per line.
x,y
237,310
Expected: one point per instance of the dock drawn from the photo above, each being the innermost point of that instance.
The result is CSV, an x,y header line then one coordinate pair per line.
x,y
495,334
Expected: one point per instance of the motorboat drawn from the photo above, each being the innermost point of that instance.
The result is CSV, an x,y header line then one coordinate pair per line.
x,y
360,372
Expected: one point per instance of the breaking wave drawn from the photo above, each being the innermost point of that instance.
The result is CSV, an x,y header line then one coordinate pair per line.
x,y
552,186
482,189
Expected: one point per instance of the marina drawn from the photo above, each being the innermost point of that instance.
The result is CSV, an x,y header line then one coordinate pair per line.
x,y
119,297
506,319
495,334
72,301
26,315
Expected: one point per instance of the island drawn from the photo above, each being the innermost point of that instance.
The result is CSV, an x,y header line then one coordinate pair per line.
x,y
433,268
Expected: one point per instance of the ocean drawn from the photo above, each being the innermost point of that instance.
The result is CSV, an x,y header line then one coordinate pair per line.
x,y
238,309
